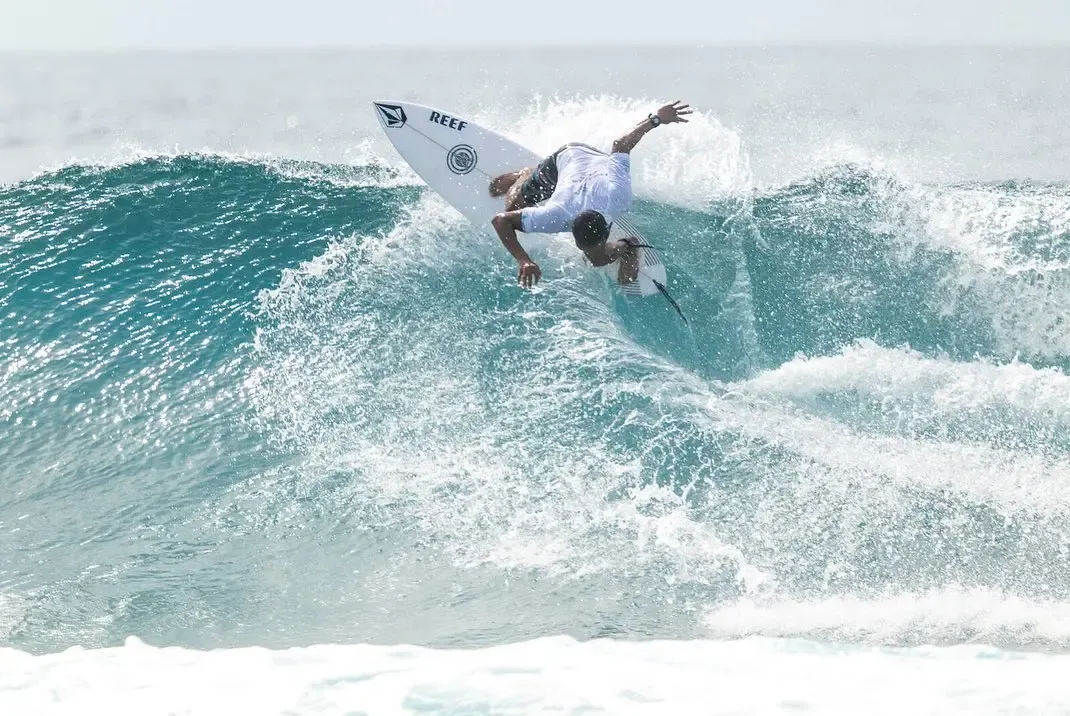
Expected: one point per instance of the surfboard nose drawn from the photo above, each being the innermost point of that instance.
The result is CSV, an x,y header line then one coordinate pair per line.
x,y
391,114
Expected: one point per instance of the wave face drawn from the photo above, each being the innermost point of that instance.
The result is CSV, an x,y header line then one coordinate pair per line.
x,y
264,402
969,270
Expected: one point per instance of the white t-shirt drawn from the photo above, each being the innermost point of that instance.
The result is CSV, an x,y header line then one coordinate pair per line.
x,y
586,179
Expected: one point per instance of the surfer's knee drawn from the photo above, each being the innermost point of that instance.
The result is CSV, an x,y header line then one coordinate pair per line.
x,y
514,202
506,220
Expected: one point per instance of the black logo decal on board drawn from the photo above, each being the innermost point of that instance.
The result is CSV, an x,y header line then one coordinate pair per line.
x,y
447,121
461,159
393,116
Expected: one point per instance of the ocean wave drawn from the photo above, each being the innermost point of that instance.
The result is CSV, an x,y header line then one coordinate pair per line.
x,y
868,392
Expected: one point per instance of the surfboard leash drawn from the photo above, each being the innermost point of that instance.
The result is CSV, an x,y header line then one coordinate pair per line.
x,y
665,292
658,284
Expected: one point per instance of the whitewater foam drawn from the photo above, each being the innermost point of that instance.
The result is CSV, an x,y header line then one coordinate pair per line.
x,y
697,165
547,675
941,616
1002,478
910,393
479,486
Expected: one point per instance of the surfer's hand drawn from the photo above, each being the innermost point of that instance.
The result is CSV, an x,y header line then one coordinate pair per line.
x,y
529,274
674,112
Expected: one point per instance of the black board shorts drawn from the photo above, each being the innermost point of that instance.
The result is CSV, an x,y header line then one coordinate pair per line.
x,y
541,184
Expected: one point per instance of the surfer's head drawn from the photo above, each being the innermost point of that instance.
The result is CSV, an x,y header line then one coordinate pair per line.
x,y
590,229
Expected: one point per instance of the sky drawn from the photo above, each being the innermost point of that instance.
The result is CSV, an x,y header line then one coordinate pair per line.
x,y
120,24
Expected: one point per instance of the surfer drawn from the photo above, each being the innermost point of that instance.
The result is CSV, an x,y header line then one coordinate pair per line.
x,y
584,190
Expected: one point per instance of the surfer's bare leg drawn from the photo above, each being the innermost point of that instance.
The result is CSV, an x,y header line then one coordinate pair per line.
x,y
501,184
514,198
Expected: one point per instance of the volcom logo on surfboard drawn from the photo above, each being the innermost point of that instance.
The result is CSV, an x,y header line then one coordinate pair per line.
x,y
461,159
393,116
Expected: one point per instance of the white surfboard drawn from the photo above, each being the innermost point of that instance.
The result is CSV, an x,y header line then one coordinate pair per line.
x,y
458,158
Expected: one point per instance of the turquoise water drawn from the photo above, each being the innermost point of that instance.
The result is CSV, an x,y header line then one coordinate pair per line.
x,y
260,388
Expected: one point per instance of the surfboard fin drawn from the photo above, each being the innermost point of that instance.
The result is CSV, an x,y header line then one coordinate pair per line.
x,y
664,292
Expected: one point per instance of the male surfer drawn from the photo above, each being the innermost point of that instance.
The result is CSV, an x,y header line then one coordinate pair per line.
x,y
584,190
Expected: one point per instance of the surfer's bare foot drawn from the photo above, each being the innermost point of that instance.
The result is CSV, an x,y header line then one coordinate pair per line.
x,y
501,184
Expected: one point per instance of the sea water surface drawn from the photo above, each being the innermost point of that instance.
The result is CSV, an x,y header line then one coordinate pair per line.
x,y
279,433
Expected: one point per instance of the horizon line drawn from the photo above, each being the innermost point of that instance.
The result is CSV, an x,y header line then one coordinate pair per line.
x,y
657,44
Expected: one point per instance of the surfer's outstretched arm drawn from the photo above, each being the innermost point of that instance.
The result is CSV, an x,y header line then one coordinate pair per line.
x,y
666,115
506,224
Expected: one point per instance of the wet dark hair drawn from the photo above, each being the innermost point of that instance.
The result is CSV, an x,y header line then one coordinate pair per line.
x,y
589,228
